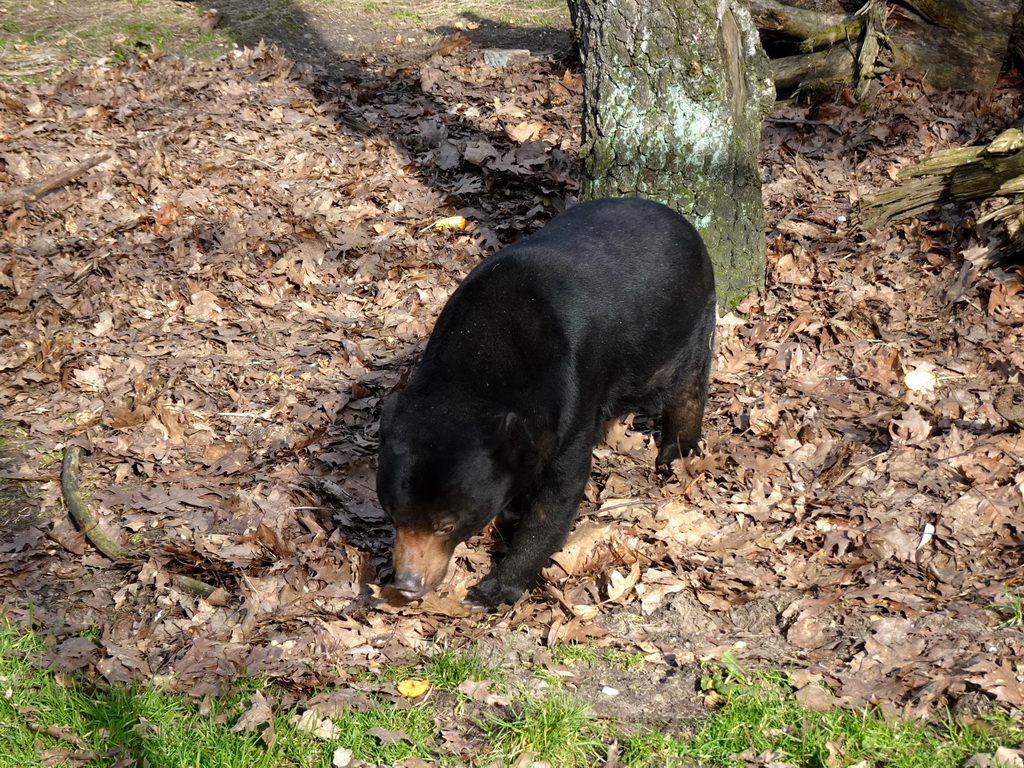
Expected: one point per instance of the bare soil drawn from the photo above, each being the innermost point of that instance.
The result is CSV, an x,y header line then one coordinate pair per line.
x,y
217,310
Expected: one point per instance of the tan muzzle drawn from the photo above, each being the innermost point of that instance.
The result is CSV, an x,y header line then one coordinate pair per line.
x,y
420,562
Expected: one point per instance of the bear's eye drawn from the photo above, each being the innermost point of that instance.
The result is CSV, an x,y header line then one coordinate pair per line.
x,y
445,529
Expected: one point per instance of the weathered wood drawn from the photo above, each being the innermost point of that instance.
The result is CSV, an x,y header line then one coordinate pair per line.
x,y
33,192
845,32
952,44
910,199
674,93
873,14
837,63
792,22
967,173
942,161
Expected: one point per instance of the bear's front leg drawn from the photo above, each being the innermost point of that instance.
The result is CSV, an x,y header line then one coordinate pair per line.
x,y
548,513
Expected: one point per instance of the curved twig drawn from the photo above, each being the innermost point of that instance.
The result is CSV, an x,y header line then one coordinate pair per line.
x,y
86,523
80,510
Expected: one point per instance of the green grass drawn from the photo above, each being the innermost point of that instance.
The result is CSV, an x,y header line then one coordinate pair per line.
x,y
624,659
161,729
10,431
444,664
448,667
576,653
557,728
38,40
1010,609
764,716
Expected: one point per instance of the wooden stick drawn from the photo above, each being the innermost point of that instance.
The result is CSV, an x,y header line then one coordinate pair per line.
x,y
33,192
80,510
213,595
87,524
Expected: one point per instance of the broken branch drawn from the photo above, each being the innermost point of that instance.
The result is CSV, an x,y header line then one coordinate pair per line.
x,y
967,173
33,192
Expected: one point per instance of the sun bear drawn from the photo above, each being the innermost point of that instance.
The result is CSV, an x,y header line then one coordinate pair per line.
x,y
607,310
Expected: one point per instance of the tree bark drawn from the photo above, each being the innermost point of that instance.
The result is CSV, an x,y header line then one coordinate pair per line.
x,y
674,94
954,44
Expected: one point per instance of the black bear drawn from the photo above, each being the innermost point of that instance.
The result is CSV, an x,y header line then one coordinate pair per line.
x,y
607,310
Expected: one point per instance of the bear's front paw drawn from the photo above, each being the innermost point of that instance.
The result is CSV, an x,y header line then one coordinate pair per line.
x,y
491,593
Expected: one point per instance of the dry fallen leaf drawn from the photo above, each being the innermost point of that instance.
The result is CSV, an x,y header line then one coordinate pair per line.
x,y
620,586
254,230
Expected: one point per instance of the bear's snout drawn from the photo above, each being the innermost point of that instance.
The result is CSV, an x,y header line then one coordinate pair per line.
x,y
420,562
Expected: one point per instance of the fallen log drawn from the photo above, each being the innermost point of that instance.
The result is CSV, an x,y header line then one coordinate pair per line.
x,y
851,50
992,174
789,21
967,173
952,44
803,71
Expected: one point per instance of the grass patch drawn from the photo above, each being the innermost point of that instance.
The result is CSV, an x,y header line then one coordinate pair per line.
x,y
1010,609
763,716
99,725
558,729
147,725
574,653
584,653
445,665
448,667
40,39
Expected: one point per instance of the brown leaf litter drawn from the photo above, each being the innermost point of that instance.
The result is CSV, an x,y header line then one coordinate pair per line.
x,y
216,311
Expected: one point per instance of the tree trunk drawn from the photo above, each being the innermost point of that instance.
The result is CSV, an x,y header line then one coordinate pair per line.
x,y
955,44
674,93
952,44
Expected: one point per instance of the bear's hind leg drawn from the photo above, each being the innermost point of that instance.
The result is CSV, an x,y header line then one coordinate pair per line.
x,y
682,418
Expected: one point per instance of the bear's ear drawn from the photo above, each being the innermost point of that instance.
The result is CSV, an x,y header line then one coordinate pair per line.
x,y
514,439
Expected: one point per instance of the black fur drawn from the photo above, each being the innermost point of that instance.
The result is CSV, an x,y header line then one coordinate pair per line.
x,y
608,310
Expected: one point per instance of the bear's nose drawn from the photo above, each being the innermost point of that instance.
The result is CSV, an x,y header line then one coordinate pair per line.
x,y
409,585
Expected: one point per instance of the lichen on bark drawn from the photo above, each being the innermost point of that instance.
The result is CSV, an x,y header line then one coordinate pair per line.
x,y
674,95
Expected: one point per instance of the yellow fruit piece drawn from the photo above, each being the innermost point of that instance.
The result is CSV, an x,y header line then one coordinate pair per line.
x,y
452,222
413,688
920,381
